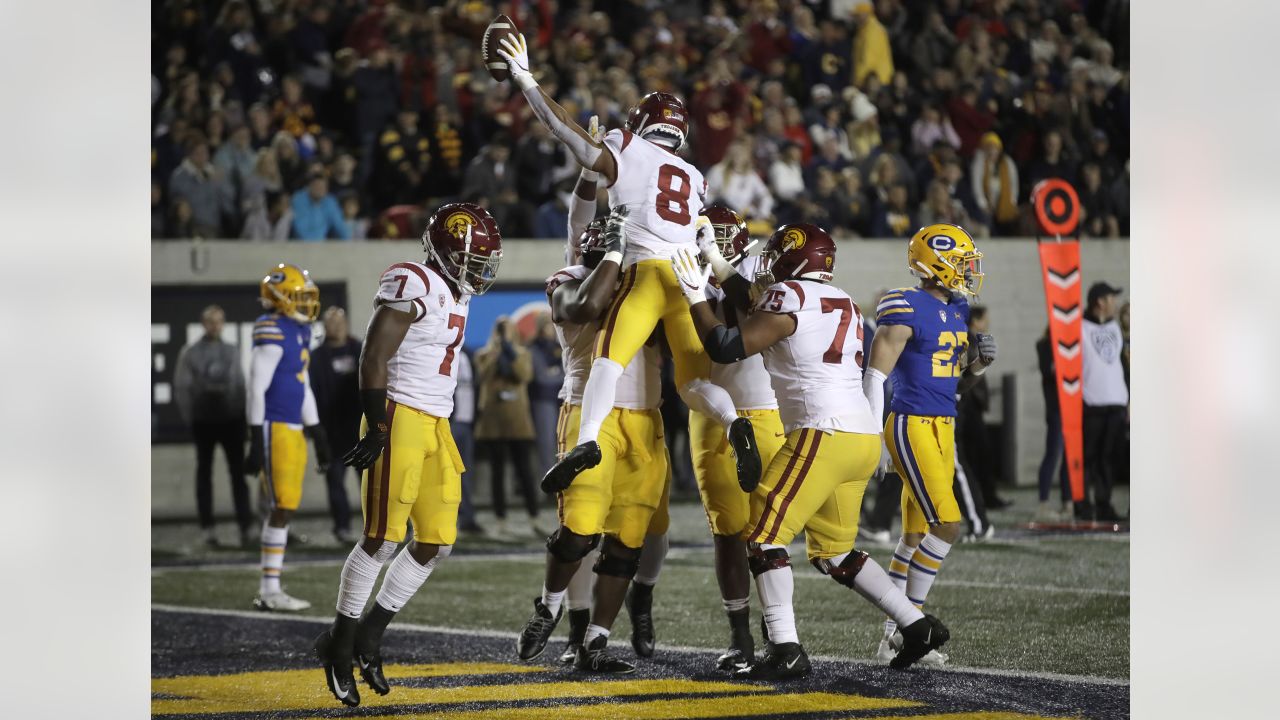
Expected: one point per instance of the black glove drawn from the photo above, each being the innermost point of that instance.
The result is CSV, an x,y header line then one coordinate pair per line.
x,y
375,439
253,463
320,442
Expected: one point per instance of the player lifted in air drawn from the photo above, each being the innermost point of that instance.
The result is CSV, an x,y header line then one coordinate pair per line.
x,y
282,414
923,341
621,501
810,335
728,507
663,195
412,467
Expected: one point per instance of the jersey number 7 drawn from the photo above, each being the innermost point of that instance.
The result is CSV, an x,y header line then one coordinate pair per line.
x,y
848,310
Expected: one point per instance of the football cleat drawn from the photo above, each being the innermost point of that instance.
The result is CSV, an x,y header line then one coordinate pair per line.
x,y
371,671
533,638
742,647
746,455
594,657
639,603
890,645
578,621
784,661
280,602
918,639
337,671
561,475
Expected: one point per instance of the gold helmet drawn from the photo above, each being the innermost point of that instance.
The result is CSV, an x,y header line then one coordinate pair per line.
x,y
288,290
947,254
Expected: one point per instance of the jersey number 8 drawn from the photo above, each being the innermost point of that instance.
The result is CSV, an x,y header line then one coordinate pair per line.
x,y
669,196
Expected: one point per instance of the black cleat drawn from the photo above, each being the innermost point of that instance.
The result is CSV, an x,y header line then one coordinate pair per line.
x,y
561,475
746,455
764,633
926,634
639,603
594,657
742,647
337,670
578,621
371,671
784,661
533,638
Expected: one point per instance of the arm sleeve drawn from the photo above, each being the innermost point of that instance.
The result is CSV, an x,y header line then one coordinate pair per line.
x,y
581,213
873,388
262,367
894,309
582,149
310,415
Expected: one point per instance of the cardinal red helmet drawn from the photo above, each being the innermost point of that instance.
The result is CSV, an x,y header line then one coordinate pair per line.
x,y
799,251
661,114
591,244
731,230
463,241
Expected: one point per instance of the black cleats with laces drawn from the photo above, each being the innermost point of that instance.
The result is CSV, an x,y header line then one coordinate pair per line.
x,y
926,634
745,453
578,621
561,475
337,670
639,603
594,657
784,661
742,647
533,638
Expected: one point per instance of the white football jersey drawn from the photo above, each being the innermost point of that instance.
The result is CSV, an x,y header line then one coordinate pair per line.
x,y
816,372
639,388
662,192
423,373
747,381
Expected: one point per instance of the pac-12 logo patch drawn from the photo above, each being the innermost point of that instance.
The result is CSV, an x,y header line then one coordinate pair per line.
x,y
793,239
942,315
942,243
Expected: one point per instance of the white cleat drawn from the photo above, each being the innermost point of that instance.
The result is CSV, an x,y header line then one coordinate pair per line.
x,y
933,659
885,652
280,602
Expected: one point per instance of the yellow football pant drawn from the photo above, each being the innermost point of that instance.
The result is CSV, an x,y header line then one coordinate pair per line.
x,y
284,464
814,483
923,448
650,293
418,476
728,508
626,494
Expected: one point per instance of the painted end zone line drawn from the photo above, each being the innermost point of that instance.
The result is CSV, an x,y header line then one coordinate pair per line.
x,y
502,635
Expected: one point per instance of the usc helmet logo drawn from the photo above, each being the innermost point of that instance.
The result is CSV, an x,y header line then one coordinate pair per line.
x,y
457,224
793,239
829,261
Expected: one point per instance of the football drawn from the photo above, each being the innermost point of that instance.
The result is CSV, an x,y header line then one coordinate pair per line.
x,y
502,26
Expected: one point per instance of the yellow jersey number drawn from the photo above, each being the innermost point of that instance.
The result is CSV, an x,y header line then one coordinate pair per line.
x,y
946,360
306,361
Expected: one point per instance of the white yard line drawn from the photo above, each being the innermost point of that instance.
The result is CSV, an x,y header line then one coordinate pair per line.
x,y
683,649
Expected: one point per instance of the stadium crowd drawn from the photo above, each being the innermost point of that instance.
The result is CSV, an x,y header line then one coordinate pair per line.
x,y
348,119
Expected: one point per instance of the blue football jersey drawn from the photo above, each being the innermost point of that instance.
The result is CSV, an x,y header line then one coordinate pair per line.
x,y
925,378
284,395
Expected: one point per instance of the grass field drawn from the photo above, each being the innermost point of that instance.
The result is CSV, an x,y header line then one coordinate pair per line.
x,y
1022,604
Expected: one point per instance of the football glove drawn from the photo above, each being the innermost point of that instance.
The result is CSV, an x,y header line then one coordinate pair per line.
x,y
320,442
368,449
516,53
615,233
692,276
253,463
986,347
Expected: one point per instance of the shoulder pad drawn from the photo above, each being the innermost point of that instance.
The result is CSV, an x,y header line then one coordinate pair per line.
x,y
405,281
784,297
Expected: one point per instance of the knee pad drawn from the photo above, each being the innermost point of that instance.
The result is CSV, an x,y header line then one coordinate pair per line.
x,y
762,561
568,546
846,570
617,560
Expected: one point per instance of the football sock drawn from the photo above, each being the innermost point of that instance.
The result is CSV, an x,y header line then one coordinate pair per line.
x,y
404,577
594,631
579,618
359,573
898,566
652,555
710,400
776,588
737,605
369,638
578,594
872,583
552,600
273,542
597,398
925,562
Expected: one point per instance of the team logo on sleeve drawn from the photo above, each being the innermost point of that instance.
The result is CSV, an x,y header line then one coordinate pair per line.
x,y
457,224
942,315
794,239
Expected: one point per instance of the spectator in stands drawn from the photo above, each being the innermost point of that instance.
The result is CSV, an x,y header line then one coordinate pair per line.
x,y
857,214
871,51
353,215
462,425
829,60
970,119
1106,399
180,225
403,158
336,384
1099,153
786,175
209,388
932,128
544,389
270,218
293,171
504,429
1096,212
894,219
537,154
995,184
735,183
1052,163
316,215
206,192
491,182
236,159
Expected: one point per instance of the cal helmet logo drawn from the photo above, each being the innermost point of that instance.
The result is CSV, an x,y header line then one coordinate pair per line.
x,y
793,239
942,243
276,277
457,224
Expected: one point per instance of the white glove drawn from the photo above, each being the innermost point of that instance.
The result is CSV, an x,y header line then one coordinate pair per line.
x,y
516,53
705,237
597,136
692,277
